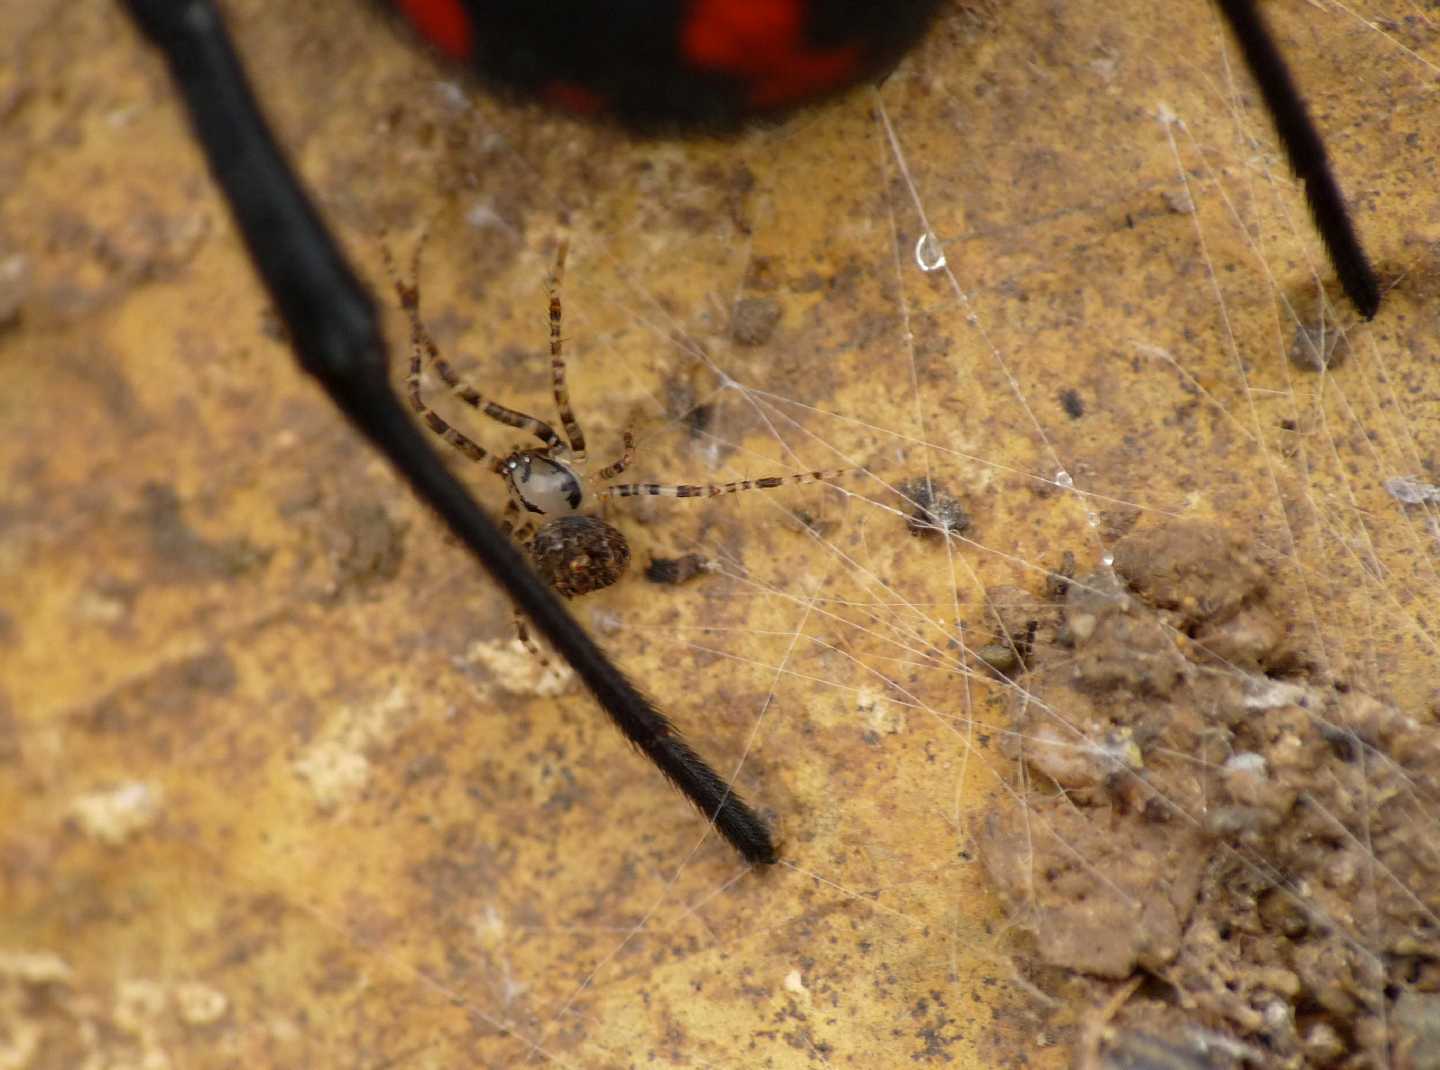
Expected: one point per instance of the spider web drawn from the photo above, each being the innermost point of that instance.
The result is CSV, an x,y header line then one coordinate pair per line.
x,y
302,797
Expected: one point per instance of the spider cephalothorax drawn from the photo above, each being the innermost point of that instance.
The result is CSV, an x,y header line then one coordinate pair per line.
x,y
542,483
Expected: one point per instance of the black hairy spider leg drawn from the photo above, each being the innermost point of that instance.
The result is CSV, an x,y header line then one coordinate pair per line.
x,y
333,329
1306,152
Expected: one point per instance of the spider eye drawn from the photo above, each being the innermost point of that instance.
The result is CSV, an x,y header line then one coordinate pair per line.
x,y
543,485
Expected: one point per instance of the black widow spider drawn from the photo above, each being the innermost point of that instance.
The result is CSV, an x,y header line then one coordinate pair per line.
x,y
331,321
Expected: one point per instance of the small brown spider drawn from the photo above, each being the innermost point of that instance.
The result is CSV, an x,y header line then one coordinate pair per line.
x,y
574,552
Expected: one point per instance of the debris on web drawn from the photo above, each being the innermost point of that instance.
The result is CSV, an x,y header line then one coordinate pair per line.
x,y
931,509
1412,491
673,571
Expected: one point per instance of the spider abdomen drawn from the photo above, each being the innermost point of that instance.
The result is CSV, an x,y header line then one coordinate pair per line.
x,y
673,64
579,554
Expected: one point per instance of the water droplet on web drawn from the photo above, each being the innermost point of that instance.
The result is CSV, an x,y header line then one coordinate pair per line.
x,y
1062,479
928,253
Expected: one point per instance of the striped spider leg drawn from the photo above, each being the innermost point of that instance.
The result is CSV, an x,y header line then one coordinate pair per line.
x,y
573,550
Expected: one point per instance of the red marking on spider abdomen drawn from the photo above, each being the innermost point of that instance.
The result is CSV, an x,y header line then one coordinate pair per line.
x,y
762,42
444,22
574,98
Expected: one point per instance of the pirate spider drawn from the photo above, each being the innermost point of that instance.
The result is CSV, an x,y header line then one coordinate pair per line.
x,y
573,551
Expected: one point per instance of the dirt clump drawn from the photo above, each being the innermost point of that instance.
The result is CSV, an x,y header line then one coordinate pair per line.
x,y
1250,846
